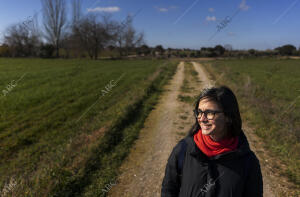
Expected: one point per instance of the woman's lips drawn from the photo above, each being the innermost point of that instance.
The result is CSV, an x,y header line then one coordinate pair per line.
x,y
205,126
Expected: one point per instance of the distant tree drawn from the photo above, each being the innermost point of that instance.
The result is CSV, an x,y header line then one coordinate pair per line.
x,y
228,47
159,49
210,52
111,47
144,49
252,52
192,54
94,35
55,21
203,49
127,38
286,49
219,50
169,52
152,52
176,53
73,42
46,50
183,55
68,43
22,39
4,51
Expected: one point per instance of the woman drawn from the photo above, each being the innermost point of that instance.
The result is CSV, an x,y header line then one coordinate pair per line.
x,y
215,158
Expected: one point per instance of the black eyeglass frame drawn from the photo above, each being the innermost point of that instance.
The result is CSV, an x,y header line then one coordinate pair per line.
x,y
197,112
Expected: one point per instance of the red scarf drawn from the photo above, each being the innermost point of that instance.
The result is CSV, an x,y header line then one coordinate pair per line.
x,y
212,148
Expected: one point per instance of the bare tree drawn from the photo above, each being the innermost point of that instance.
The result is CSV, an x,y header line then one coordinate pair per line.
x,y
23,38
127,37
70,41
55,20
94,35
76,12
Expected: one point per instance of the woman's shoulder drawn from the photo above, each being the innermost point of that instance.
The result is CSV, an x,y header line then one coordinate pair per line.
x,y
184,143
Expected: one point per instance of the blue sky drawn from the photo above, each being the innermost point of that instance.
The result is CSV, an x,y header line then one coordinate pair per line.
x,y
259,24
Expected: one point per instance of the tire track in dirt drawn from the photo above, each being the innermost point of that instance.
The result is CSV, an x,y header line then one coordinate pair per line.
x,y
143,170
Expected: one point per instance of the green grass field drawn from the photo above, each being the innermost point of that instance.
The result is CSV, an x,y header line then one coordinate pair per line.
x,y
268,92
66,125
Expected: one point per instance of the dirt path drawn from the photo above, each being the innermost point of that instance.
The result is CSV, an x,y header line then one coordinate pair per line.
x,y
143,169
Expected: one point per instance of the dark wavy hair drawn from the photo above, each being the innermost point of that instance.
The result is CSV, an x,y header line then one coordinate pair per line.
x,y
225,98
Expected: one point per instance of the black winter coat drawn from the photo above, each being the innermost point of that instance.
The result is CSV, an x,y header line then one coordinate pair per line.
x,y
223,175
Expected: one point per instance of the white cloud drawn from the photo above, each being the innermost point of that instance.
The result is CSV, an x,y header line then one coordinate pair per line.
x,y
243,5
165,9
211,18
104,9
211,9
231,34
162,9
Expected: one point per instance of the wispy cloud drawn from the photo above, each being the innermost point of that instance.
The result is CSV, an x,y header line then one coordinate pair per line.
x,y
104,9
231,34
162,9
211,9
165,9
211,18
243,5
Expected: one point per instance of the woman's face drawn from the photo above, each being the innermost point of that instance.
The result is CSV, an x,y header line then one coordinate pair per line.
x,y
215,128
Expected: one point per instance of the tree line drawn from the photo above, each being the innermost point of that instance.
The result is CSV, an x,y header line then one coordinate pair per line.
x,y
228,51
83,35
89,35
221,51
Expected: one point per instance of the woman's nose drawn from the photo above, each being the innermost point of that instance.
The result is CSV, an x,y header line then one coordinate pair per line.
x,y
202,117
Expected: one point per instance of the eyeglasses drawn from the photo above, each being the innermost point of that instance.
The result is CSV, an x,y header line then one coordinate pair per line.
x,y
209,114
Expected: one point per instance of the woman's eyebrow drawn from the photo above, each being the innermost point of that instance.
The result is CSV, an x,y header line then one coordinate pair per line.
x,y
209,109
